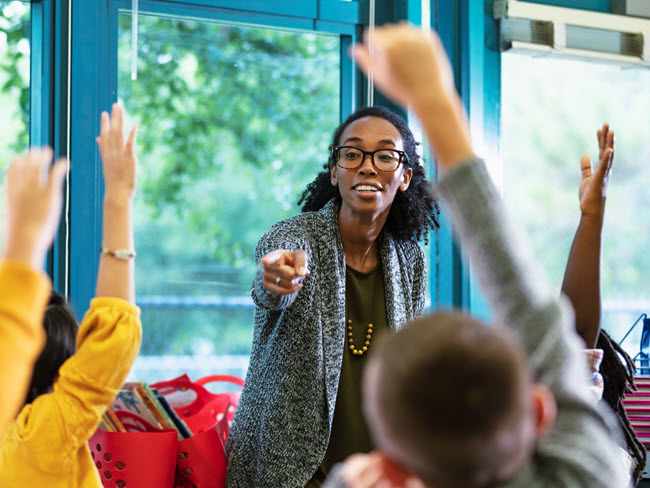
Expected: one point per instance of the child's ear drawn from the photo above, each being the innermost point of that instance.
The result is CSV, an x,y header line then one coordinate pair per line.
x,y
545,409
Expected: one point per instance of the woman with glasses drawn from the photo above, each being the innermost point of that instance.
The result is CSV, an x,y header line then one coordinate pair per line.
x,y
329,281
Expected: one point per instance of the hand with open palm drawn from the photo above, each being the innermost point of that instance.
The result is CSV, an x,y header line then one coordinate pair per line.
x,y
593,187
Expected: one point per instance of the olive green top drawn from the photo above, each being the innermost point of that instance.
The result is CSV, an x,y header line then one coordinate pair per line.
x,y
365,303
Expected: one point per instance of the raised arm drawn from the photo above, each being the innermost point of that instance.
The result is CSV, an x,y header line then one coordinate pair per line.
x,y
427,87
31,216
109,336
411,67
115,277
582,274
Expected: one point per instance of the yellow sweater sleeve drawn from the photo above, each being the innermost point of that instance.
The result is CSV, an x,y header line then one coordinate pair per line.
x,y
24,293
56,425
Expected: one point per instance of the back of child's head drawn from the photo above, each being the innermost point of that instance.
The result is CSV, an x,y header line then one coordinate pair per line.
x,y
61,331
448,398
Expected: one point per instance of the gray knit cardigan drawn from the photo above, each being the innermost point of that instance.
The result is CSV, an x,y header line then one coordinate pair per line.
x,y
282,424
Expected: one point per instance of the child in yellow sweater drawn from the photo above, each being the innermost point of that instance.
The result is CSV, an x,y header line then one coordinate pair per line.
x,y
47,444
31,217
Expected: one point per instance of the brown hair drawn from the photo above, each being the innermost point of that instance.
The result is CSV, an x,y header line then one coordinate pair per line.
x,y
447,397
61,331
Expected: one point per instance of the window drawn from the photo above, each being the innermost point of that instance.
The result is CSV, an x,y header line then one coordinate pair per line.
x,y
551,109
235,121
14,81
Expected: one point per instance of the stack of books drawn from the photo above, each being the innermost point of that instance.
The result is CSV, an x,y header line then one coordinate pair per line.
x,y
140,408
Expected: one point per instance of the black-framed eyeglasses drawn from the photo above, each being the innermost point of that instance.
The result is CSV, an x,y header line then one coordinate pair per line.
x,y
350,157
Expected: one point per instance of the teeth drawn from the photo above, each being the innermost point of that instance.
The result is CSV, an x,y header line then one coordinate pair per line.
x,y
366,188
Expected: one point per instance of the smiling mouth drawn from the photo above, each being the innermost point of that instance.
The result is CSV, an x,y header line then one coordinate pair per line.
x,y
366,189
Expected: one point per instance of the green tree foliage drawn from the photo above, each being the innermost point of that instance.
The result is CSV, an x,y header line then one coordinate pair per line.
x,y
235,121
14,76
14,82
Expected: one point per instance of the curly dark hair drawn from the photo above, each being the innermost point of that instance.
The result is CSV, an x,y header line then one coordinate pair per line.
x,y
413,212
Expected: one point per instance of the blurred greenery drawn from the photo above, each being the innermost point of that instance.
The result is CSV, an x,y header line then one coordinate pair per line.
x,y
551,109
14,82
234,122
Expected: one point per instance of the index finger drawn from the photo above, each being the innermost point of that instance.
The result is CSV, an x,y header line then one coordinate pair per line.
x,y
105,124
117,120
131,140
272,257
300,262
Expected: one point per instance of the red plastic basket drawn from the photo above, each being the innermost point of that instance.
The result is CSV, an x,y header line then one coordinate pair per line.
x,y
135,459
201,461
199,408
149,457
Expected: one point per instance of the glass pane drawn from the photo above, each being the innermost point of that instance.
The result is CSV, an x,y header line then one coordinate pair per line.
x,y
235,121
14,83
551,109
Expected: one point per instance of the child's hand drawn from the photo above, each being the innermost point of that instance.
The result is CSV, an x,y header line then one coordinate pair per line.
x,y
409,65
593,186
375,470
33,206
284,271
119,160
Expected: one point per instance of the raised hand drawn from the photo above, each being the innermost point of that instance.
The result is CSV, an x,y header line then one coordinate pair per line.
x,y
284,271
115,277
34,199
119,160
593,186
408,64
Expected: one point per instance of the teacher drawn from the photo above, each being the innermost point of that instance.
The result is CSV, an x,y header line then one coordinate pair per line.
x,y
329,281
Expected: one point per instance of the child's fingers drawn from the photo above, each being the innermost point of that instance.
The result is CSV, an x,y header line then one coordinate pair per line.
x,y
610,139
38,161
585,167
604,165
130,143
105,125
115,117
362,471
361,56
57,174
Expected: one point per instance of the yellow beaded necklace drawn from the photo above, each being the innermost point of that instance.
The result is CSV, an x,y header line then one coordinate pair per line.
x,y
362,350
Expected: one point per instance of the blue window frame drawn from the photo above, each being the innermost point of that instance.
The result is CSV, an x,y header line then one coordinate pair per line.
x,y
470,35
47,101
94,78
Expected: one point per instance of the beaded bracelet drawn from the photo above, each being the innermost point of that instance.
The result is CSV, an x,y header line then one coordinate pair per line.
x,y
123,254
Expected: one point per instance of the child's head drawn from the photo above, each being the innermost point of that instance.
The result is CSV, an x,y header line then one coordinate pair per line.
x,y
61,330
451,400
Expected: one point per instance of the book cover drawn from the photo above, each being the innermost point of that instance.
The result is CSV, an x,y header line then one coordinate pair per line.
x,y
129,400
181,426
111,422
